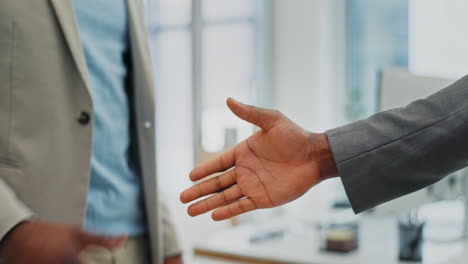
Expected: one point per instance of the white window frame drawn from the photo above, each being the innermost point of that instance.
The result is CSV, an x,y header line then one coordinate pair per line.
x,y
263,58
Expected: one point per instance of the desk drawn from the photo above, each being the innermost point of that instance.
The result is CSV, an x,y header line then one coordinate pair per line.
x,y
300,245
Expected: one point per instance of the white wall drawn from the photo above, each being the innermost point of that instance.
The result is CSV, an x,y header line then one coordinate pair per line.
x,y
438,37
297,59
309,73
309,60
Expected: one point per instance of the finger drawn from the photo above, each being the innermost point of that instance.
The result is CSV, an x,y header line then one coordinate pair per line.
x,y
219,164
225,197
208,187
234,209
75,260
81,260
261,117
86,239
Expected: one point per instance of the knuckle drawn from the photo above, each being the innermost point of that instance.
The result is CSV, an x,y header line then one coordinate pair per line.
x,y
199,189
217,183
233,175
221,162
278,114
230,210
241,207
207,205
222,196
238,191
249,114
70,261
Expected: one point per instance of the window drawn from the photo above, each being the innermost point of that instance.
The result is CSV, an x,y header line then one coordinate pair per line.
x,y
204,51
376,37
422,35
227,35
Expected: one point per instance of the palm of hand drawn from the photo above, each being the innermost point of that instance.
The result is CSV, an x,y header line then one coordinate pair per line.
x,y
271,166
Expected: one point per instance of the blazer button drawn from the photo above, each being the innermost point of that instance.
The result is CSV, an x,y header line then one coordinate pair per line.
x,y
84,118
148,125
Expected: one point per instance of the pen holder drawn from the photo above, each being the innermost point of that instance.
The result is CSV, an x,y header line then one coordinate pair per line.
x,y
411,241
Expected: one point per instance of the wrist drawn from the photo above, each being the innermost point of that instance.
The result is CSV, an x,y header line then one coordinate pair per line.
x,y
323,155
174,260
10,234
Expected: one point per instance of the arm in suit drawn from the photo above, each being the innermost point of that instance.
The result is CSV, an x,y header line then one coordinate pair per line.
x,y
380,158
399,151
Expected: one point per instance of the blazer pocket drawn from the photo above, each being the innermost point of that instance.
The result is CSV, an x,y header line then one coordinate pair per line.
x,y
7,31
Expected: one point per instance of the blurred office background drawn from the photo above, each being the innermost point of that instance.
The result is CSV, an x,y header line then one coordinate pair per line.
x,y
318,61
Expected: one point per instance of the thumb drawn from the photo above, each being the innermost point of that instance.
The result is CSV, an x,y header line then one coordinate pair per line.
x,y
86,239
261,117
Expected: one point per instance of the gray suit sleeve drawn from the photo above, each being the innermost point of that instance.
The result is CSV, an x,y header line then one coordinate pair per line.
x,y
396,152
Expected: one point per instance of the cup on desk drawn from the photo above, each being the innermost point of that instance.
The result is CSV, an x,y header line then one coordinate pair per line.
x,y
341,238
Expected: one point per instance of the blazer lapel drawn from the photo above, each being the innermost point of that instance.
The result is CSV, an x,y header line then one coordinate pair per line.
x,y
66,17
144,108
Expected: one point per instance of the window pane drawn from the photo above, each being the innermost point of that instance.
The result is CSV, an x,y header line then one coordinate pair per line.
x,y
227,9
228,71
170,12
376,38
173,76
221,129
228,58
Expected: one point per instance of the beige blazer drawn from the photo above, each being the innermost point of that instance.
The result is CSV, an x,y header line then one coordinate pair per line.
x,y
45,139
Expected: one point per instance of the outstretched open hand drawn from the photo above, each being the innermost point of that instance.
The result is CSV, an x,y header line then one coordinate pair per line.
x,y
276,165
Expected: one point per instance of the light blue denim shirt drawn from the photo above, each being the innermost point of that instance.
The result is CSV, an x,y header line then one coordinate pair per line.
x,y
115,203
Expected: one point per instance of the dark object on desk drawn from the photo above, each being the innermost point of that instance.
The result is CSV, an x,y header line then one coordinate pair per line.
x,y
341,204
267,236
339,237
341,240
411,241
